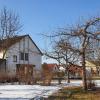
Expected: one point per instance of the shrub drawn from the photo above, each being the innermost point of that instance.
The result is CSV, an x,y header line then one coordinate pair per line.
x,y
91,84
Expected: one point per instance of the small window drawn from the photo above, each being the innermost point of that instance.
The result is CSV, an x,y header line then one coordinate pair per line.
x,y
14,58
26,56
21,56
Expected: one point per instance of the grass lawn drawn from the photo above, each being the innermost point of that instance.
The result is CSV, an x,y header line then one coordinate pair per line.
x,y
75,93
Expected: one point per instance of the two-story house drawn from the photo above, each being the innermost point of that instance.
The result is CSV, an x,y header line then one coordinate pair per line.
x,y
19,53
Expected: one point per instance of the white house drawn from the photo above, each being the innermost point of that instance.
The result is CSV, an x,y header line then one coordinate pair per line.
x,y
19,50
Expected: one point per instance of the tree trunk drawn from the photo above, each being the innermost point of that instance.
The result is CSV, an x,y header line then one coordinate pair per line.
x,y
68,77
84,72
59,81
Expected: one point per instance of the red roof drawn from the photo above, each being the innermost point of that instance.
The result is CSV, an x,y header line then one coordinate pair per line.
x,y
51,66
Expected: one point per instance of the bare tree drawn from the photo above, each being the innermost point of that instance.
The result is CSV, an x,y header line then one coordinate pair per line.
x,y
64,53
80,38
83,34
9,27
56,55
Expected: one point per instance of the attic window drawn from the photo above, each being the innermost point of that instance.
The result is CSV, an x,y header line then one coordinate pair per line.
x,y
14,58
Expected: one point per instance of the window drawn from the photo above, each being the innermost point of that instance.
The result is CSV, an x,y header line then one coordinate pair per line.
x,y
26,56
14,58
21,56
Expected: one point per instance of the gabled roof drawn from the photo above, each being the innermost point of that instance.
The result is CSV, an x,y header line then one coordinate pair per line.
x,y
35,44
6,43
51,66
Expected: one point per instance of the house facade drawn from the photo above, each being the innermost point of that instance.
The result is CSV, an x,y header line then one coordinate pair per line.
x,y
93,67
20,51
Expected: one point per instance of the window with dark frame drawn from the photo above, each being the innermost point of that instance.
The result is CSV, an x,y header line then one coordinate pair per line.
x,y
14,58
26,57
21,56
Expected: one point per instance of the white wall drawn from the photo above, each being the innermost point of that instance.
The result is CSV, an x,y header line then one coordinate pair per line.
x,y
22,46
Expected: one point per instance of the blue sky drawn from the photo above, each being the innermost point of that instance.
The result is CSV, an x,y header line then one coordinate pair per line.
x,y
45,16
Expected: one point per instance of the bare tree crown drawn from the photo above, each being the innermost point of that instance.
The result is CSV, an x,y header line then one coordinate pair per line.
x,y
9,24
